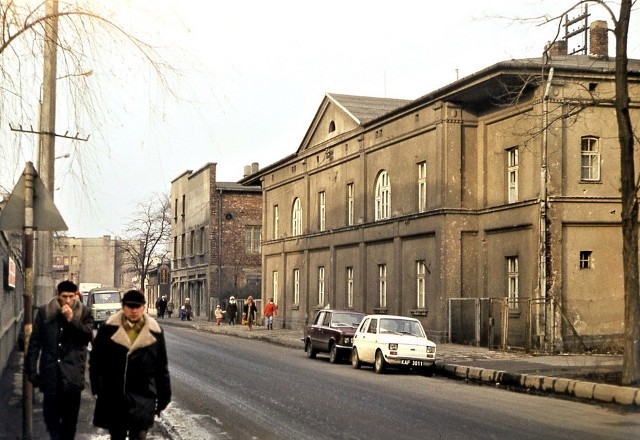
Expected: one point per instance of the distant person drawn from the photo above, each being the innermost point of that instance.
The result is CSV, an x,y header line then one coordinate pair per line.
x,y
186,311
219,314
232,310
161,306
129,371
169,308
61,332
270,310
250,311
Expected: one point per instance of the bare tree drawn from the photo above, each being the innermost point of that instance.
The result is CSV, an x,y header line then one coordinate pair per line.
x,y
147,235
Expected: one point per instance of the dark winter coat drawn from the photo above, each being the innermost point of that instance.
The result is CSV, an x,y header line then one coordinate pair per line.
x,y
131,381
232,310
250,311
61,347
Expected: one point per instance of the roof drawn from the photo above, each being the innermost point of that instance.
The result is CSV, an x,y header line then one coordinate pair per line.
x,y
234,186
366,108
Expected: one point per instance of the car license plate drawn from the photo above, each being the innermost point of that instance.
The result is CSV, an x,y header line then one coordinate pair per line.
x,y
412,363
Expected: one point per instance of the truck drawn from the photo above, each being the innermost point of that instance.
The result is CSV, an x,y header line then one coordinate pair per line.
x,y
85,288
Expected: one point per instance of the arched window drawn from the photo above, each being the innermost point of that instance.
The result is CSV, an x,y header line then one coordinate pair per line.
x,y
383,196
332,127
296,218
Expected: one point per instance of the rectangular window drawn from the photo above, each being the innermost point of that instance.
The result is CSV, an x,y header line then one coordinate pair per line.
x,y
421,282
183,245
513,281
350,204
349,286
275,287
175,247
276,223
184,205
321,285
201,240
382,284
422,186
512,174
296,286
192,243
252,239
590,159
585,259
322,209
74,261
175,210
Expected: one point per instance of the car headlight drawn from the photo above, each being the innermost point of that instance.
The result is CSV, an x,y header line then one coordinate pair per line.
x,y
346,340
431,349
393,346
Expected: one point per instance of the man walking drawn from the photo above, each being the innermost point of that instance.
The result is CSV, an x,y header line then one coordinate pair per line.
x,y
129,371
61,332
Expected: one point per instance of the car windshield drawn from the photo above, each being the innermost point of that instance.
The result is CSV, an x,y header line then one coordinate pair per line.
x,y
106,297
401,327
346,319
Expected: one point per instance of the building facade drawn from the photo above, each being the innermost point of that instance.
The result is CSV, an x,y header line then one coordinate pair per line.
x,y
12,299
489,209
92,260
215,232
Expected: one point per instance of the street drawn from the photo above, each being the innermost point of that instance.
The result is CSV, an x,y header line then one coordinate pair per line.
x,y
232,388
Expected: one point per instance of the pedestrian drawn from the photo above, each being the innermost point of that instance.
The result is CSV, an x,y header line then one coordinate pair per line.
x,y
61,332
186,310
218,314
169,308
232,310
270,310
250,312
129,371
161,306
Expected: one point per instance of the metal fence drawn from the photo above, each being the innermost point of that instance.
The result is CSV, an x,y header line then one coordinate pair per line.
x,y
497,322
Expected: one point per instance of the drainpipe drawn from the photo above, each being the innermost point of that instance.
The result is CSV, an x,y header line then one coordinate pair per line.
x,y
543,248
219,246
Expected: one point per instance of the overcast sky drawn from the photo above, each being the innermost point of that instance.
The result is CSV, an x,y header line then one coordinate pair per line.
x,y
249,77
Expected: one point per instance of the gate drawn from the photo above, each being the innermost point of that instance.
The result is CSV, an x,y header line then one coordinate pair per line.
x,y
497,323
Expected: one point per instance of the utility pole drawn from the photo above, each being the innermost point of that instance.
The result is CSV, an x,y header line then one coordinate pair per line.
x,y
47,150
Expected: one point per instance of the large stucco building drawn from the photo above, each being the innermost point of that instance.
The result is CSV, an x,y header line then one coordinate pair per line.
x,y
489,209
215,232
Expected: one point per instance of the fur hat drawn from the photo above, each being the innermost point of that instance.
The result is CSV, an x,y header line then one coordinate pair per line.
x,y
133,297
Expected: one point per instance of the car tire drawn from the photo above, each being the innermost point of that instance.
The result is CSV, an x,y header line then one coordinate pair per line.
x,y
333,354
311,352
380,364
355,360
429,371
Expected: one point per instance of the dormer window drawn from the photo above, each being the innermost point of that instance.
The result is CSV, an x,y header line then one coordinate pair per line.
x,y
332,127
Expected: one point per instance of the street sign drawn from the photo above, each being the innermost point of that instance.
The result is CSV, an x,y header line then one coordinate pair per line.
x,y
46,216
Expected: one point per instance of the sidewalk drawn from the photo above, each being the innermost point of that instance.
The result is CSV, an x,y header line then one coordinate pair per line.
x,y
573,375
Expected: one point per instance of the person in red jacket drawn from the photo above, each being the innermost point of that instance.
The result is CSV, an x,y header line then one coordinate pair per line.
x,y
270,310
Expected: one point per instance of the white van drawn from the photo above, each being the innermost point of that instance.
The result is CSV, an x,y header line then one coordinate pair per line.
x,y
104,302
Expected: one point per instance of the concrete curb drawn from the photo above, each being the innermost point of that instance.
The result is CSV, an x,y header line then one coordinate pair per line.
x,y
548,384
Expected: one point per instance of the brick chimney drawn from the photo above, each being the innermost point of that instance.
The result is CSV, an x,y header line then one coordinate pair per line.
x,y
599,39
558,48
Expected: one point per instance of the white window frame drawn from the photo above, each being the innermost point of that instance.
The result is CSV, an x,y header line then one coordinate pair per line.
x,y
421,284
322,200
513,282
383,196
296,286
590,159
512,174
382,285
296,218
252,239
349,272
276,288
422,186
586,261
350,204
321,293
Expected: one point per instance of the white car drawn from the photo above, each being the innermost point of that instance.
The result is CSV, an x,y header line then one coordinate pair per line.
x,y
397,341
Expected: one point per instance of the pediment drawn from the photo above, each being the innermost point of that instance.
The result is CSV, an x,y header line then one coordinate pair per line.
x,y
341,114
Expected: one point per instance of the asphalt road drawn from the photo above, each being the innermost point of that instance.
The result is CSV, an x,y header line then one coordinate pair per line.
x,y
232,388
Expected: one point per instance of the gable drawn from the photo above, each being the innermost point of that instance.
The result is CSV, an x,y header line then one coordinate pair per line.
x,y
342,114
